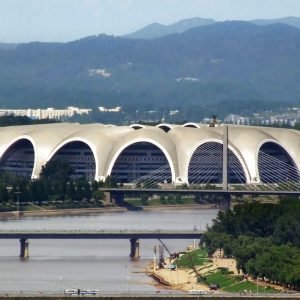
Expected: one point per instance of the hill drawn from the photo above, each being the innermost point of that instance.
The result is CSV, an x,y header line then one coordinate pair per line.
x,y
219,68
156,30
292,21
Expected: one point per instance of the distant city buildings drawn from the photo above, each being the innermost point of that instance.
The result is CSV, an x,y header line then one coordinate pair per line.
x,y
288,117
114,109
48,113
283,117
236,119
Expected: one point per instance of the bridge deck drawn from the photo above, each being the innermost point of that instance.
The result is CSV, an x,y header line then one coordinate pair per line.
x,y
100,234
203,192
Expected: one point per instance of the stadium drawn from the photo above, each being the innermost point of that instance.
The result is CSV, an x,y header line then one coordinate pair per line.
x,y
180,154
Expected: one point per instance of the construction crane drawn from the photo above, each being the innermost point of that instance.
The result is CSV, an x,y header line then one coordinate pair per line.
x,y
166,248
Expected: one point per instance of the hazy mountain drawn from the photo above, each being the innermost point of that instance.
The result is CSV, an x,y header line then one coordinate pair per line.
x,y
229,66
156,30
292,21
6,46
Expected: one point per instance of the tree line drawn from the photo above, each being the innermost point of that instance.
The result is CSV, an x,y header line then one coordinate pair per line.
x,y
264,239
56,183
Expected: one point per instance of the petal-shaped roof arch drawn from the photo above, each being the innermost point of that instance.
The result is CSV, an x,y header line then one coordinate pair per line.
x,y
100,139
13,142
191,125
166,127
289,140
137,126
151,135
195,138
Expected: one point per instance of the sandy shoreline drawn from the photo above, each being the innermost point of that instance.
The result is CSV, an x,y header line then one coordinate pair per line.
x,y
185,279
100,210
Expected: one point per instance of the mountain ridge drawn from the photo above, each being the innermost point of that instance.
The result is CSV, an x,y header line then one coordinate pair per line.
x,y
156,30
199,70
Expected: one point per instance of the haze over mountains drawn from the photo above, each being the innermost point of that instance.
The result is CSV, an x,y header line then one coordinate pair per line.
x,y
224,67
156,30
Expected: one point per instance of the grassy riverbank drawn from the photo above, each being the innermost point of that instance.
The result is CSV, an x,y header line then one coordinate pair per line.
x,y
195,270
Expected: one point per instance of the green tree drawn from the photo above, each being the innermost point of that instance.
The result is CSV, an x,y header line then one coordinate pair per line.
x,y
71,191
111,182
4,196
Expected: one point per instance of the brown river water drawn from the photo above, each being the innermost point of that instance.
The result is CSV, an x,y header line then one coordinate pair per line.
x,y
55,265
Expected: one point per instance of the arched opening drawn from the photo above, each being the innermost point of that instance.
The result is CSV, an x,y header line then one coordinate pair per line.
x,y
191,125
275,165
80,158
142,163
18,160
137,126
206,165
165,128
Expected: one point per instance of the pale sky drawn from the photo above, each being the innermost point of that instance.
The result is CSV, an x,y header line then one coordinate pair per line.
x,y
66,20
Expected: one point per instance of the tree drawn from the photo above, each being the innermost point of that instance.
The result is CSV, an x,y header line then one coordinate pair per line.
x,y
4,196
56,170
111,182
144,200
71,191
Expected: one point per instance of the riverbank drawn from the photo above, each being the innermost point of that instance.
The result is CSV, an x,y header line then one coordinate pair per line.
x,y
95,210
61,212
214,271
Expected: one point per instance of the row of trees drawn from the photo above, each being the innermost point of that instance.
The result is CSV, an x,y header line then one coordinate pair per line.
x,y
55,183
264,239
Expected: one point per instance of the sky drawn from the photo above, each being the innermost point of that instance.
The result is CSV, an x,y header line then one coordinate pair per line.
x,y
66,20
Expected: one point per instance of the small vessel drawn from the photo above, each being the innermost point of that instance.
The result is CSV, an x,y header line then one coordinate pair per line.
x,y
81,291
71,291
88,292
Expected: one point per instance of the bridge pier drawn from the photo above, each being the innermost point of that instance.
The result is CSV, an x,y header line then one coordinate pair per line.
x,y
224,203
114,197
134,248
24,248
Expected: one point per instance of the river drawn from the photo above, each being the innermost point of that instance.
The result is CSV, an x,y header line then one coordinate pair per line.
x,y
96,264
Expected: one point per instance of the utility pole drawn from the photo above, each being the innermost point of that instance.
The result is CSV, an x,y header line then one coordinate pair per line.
x,y
18,202
225,157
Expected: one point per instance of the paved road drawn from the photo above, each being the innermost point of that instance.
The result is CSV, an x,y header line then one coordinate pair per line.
x,y
200,192
100,234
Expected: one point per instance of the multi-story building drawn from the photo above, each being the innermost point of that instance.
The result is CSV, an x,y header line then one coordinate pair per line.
x,y
48,113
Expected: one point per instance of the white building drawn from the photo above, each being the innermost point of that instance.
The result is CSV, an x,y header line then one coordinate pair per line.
x,y
48,113
114,109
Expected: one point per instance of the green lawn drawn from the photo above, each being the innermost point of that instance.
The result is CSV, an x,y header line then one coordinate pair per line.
x,y
221,279
249,287
233,284
197,257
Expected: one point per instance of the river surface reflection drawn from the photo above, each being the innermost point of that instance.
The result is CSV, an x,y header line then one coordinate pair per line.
x,y
96,264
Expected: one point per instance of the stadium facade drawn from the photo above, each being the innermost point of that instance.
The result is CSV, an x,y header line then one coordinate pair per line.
x,y
181,154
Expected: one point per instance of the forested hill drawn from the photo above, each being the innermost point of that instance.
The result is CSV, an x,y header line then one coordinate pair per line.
x,y
229,64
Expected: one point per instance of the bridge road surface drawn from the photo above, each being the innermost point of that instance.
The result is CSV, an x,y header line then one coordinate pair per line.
x,y
100,234
202,192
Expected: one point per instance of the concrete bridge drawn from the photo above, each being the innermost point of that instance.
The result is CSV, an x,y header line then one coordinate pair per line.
x,y
133,235
116,195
